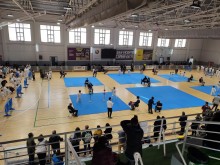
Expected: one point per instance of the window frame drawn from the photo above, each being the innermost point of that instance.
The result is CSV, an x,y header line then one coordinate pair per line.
x,y
179,43
78,34
125,37
20,31
146,39
51,31
163,42
102,35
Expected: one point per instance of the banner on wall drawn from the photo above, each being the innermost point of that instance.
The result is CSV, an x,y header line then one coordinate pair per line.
x,y
96,52
147,54
78,54
124,54
139,54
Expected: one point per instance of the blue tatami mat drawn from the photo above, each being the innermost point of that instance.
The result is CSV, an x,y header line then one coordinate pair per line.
x,y
174,77
79,81
205,89
132,78
171,98
97,104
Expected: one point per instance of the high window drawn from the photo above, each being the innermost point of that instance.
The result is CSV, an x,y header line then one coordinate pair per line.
x,y
77,36
180,43
50,33
19,32
125,38
145,39
162,42
102,37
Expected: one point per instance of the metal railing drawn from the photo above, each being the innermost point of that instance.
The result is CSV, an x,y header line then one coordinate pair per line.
x,y
185,143
18,153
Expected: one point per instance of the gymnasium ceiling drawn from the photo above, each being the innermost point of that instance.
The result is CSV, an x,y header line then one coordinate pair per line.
x,y
155,15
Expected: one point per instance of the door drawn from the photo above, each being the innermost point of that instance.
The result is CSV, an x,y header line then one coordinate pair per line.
x,y
53,60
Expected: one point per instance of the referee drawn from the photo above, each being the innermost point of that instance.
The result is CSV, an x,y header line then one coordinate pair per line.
x,y
109,107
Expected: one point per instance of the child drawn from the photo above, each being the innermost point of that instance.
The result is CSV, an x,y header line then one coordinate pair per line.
x,y
79,96
213,91
114,92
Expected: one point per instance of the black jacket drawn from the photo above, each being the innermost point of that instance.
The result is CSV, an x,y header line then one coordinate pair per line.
x,y
134,135
55,141
182,120
31,145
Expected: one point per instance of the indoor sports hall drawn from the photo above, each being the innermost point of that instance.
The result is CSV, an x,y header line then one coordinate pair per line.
x,y
69,67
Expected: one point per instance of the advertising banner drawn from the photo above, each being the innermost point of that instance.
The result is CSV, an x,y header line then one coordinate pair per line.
x,y
124,54
96,52
147,54
78,54
139,54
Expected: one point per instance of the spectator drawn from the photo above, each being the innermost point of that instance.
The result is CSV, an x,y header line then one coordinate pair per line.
x,y
134,134
205,108
31,148
102,154
54,141
86,138
216,102
41,150
75,139
182,121
97,133
194,126
164,123
121,141
213,136
108,132
157,125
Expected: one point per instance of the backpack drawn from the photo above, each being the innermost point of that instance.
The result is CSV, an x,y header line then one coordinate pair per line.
x,y
87,137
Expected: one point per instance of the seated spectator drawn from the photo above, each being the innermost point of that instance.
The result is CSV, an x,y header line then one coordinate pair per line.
x,y
102,154
108,132
201,81
86,82
97,133
190,78
73,111
158,106
134,104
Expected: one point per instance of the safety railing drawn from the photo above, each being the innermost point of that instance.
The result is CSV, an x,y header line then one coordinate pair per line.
x,y
152,135
201,136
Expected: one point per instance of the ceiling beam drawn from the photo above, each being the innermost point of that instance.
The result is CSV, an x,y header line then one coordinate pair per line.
x,y
17,3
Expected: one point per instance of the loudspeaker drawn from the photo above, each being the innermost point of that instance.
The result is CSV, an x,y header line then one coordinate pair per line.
x,y
40,57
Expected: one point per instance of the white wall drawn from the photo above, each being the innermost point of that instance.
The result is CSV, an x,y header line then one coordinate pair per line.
x,y
211,51
26,51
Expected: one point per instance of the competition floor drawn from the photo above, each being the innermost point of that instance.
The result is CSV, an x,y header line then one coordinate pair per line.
x,y
43,107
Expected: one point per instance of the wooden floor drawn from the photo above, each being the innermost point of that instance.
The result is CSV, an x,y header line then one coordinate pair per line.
x,y
43,107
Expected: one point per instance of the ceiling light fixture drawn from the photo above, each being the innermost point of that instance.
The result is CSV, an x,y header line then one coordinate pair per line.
x,y
196,4
58,23
134,15
123,28
149,30
67,8
166,29
93,26
59,20
136,26
18,20
187,21
10,15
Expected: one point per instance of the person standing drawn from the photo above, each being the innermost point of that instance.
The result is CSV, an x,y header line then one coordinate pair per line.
x,y
109,107
41,150
86,138
54,141
157,125
79,97
108,132
182,121
114,92
134,134
75,139
31,148
216,102
213,91
150,105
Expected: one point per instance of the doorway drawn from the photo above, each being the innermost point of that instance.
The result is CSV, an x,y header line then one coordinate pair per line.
x,y
53,60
